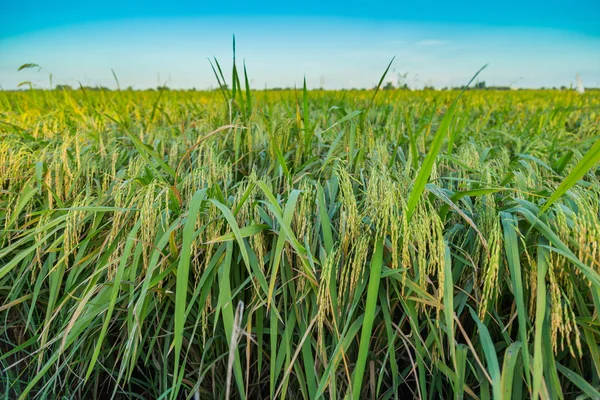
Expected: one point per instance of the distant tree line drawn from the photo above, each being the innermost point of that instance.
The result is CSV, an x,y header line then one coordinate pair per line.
x,y
387,86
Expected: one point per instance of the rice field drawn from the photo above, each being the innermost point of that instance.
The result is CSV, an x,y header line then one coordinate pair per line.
x,y
299,244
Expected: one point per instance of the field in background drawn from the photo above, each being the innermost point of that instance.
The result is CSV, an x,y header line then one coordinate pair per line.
x,y
299,244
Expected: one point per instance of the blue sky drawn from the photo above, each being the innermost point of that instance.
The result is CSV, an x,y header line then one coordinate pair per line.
x,y
337,44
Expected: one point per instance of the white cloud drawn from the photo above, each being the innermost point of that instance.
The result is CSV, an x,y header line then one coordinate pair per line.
x,y
432,42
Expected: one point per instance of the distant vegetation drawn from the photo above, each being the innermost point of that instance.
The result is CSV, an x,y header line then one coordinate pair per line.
x,y
387,86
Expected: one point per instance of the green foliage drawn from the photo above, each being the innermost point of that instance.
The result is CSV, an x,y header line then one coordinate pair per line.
x,y
299,244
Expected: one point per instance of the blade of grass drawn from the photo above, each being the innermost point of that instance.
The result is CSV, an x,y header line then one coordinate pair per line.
x,y
434,149
508,369
540,310
490,355
511,247
367,327
182,282
583,166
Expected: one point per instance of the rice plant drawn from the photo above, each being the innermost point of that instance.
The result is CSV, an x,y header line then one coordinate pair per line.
x,y
299,244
